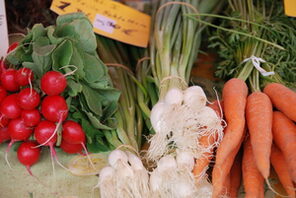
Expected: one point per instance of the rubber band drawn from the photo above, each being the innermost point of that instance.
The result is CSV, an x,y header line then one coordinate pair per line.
x,y
172,77
141,60
256,62
119,65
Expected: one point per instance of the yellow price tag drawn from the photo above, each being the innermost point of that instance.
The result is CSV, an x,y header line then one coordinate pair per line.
x,y
111,19
290,7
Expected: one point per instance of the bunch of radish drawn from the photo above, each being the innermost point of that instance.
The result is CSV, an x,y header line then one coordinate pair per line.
x,y
35,117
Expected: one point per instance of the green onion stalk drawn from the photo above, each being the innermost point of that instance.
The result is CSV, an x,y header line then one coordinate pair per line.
x,y
175,41
259,29
129,116
174,44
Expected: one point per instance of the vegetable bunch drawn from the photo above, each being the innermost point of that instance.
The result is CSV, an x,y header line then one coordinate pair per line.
x,y
69,49
249,39
56,92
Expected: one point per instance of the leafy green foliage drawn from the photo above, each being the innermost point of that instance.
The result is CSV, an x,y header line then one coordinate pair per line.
x,y
71,44
270,24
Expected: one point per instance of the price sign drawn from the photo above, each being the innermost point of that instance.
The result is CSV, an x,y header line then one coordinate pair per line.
x,y
110,19
290,7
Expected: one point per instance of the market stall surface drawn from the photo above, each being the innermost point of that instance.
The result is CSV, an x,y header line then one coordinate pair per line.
x,y
17,183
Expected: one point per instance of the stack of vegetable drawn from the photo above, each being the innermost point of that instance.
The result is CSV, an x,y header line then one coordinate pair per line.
x,y
186,129
60,93
262,123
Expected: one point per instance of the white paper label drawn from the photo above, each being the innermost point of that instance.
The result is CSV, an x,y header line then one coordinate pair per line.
x,y
104,23
3,30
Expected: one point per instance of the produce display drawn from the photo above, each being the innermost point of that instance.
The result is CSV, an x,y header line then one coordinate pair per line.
x,y
134,118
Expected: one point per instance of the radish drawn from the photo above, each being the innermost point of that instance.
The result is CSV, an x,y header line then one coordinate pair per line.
x,y
9,107
28,98
3,121
53,83
18,131
8,80
71,148
31,117
3,93
12,47
74,134
24,76
54,108
28,155
45,133
4,134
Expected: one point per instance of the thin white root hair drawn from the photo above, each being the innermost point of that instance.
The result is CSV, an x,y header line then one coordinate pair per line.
x,y
88,157
106,183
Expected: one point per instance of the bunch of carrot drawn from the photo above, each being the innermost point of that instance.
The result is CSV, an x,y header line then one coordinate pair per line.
x,y
262,124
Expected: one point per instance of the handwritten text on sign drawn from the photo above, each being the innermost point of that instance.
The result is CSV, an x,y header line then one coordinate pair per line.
x,y
110,19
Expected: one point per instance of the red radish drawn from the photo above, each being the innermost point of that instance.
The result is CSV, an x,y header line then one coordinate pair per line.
x,y
53,83
9,107
46,134
4,134
3,121
12,47
31,117
73,134
3,93
8,80
28,155
24,76
18,131
54,108
71,148
43,132
28,98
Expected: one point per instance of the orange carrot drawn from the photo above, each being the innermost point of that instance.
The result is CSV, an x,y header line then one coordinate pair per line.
x,y
201,164
284,133
259,122
281,168
235,176
252,178
283,98
234,97
226,187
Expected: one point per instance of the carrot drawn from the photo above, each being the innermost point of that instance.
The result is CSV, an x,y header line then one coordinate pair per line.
x,y
226,187
252,178
281,168
201,164
234,95
259,122
284,133
283,98
235,176
233,179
